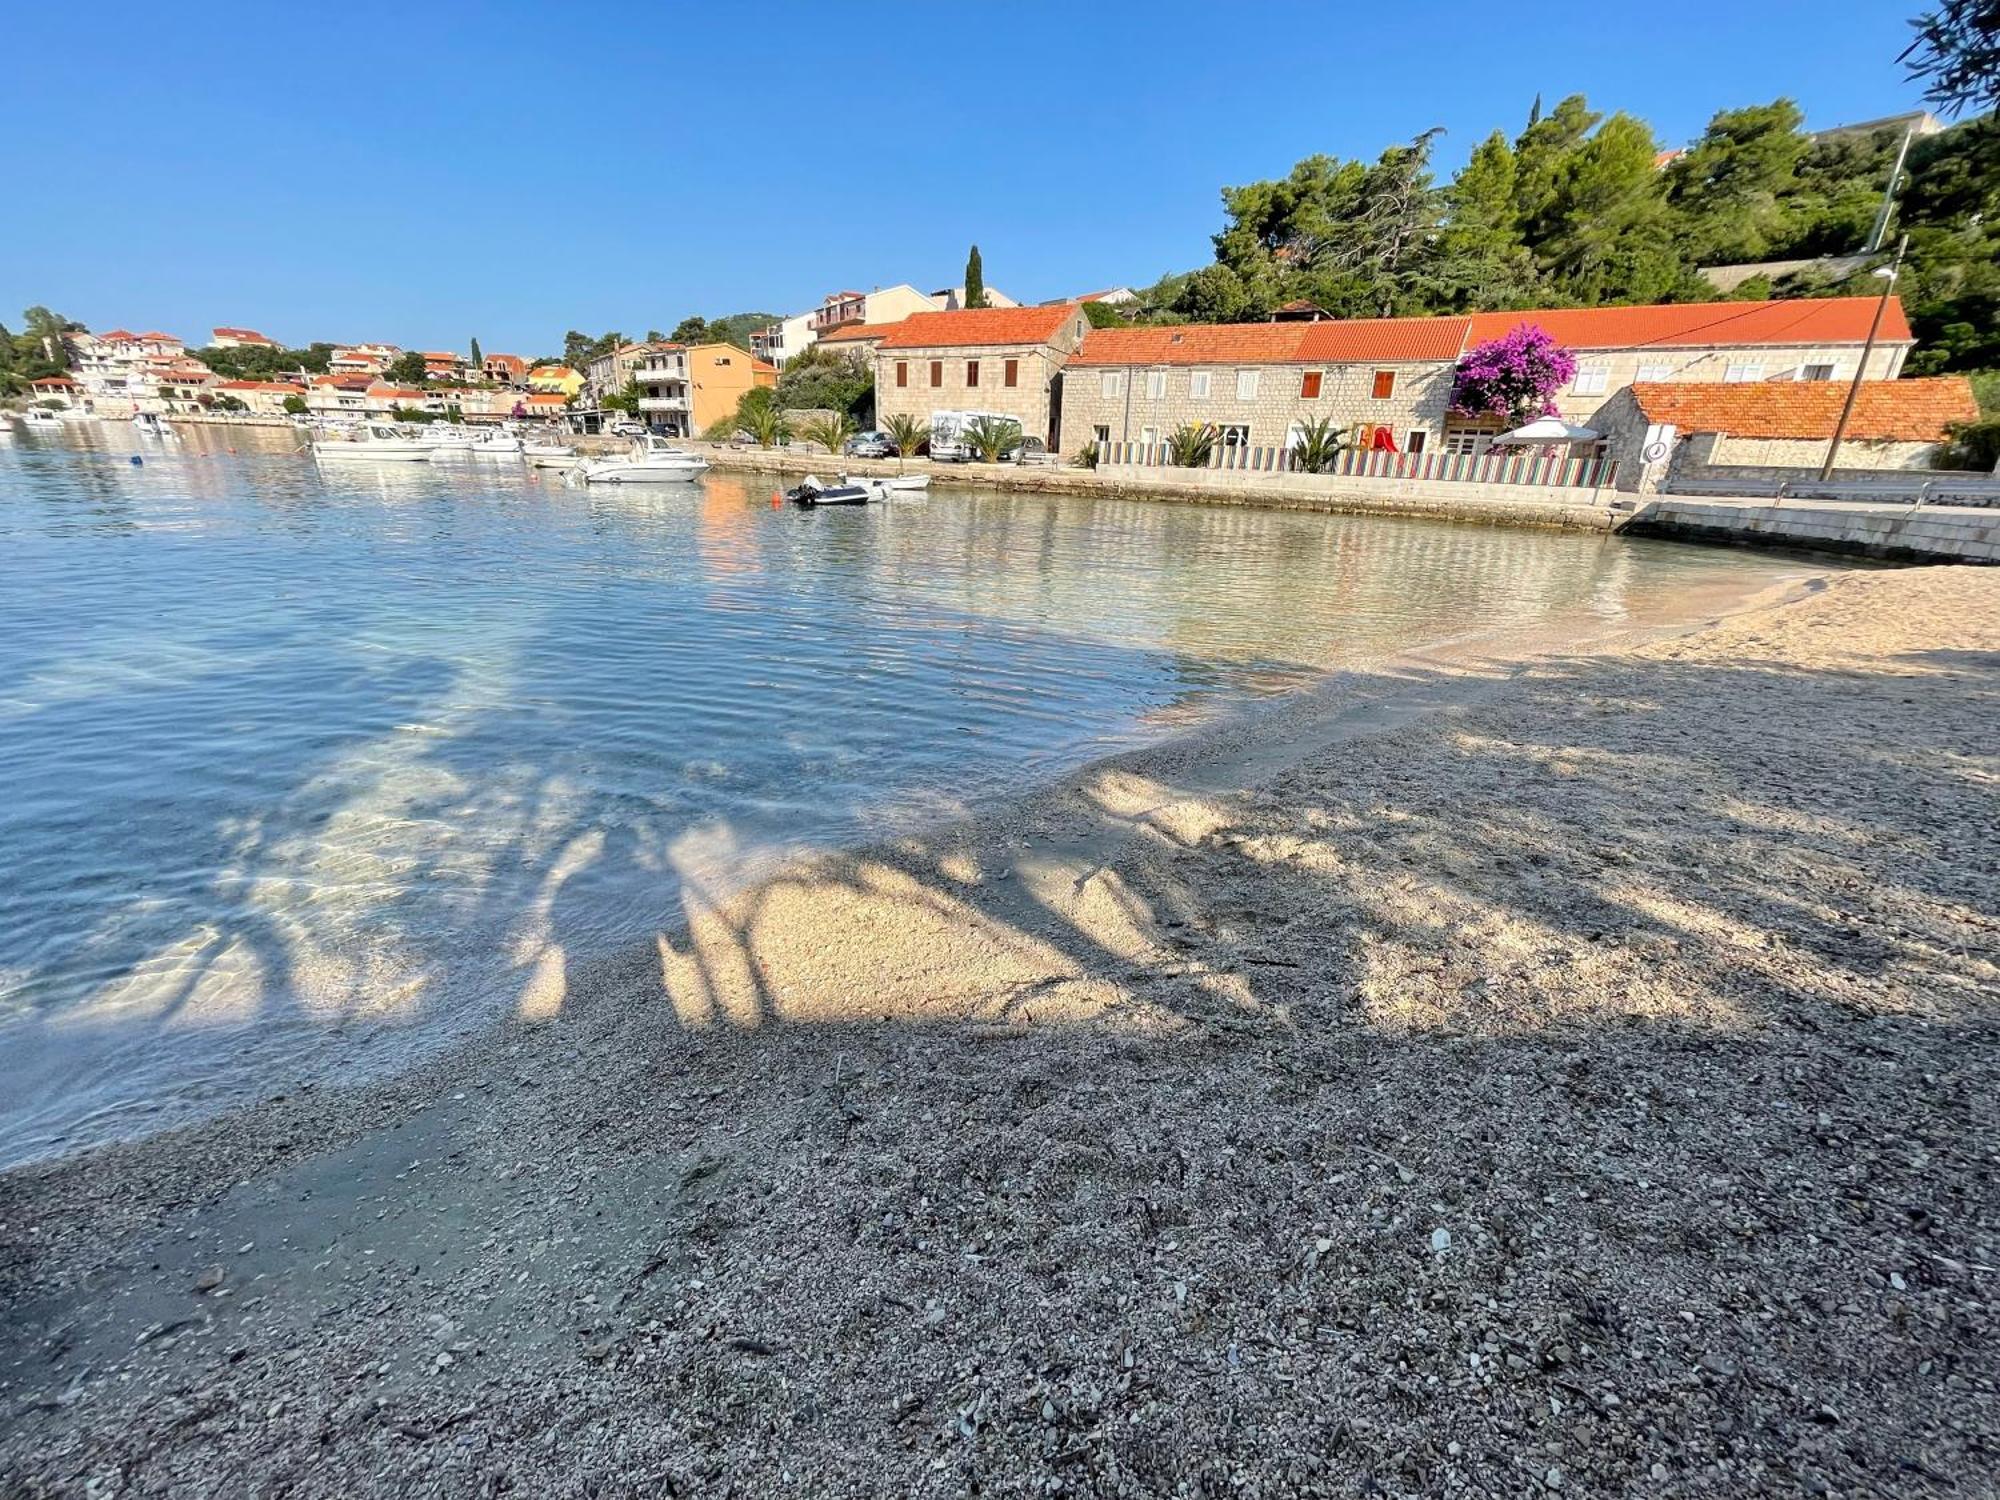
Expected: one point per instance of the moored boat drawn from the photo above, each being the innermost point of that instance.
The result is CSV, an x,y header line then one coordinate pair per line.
x,y
375,440
812,492
653,460
885,486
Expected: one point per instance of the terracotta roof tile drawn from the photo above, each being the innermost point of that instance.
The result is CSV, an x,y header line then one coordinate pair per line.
x,y
979,326
849,333
244,335
1911,411
1823,320
1356,341
262,385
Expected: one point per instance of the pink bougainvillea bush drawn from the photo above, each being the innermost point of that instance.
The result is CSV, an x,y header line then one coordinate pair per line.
x,y
1514,377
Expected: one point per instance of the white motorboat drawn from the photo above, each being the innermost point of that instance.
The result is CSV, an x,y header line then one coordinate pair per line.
x,y
75,414
375,440
153,425
447,439
883,486
40,416
653,460
495,445
550,455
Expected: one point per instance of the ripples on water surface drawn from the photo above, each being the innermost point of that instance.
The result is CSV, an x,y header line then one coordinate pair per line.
x,y
303,766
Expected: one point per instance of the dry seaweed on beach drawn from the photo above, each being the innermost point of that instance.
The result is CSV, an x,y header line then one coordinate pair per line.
x,y
1577,1078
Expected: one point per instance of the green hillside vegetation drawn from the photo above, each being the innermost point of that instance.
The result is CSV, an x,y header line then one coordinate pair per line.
x,y
1575,211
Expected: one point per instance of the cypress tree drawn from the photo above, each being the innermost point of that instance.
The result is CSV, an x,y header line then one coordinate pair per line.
x,y
975,280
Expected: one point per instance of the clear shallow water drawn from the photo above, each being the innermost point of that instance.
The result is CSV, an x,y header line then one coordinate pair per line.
x,y
302,768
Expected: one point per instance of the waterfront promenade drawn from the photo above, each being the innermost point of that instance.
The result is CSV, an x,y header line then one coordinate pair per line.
x,y
1569,1074
1881,529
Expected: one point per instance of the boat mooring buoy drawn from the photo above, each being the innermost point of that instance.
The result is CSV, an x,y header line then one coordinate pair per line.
x,y
137,461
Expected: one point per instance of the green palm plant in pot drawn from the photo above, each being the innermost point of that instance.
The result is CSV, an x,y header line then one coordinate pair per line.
x,y
1317,445
1191,445
990,437
908,433
830,432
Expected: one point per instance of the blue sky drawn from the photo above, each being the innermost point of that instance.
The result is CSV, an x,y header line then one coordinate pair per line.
x,y
423,174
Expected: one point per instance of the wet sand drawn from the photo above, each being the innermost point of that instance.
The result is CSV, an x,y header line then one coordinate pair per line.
x,y
1573,1074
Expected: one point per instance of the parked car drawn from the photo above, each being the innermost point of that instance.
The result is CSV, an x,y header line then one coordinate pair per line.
x,y
625,427
870,445
1030,450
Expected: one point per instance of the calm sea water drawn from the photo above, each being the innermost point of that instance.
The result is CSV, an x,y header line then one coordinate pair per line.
x,y
303,768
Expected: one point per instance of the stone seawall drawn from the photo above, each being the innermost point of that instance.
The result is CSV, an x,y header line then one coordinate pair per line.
x,y
1896,533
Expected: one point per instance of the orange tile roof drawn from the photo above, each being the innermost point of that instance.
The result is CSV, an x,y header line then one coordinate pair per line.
x,y
1193,344
241,335
850,333
552,372
547,398
398,390
1356,341
262,385
156,337
1909,411
1823,320
979,326
118,336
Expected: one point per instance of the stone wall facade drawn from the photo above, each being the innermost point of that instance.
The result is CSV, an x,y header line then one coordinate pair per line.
x,y
1146,403
1808,453
922,381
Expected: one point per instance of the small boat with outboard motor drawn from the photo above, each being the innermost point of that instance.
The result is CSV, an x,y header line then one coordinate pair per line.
x,y
812,491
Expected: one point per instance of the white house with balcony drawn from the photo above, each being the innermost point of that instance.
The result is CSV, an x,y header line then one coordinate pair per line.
x,y
665,403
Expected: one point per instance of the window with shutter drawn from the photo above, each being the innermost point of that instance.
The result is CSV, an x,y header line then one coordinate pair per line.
x,y
1309,386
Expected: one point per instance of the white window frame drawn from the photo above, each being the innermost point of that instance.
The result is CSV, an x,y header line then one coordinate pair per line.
x,y
1156,385
1590,380
1246,384
1653,374
1743,372
1832,368
1111,384
1198,384
1233,435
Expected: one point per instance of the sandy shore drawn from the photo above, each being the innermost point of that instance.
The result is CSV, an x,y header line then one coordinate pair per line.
x,y
1578,1078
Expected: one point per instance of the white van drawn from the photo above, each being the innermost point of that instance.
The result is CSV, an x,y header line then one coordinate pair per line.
x,y
948,443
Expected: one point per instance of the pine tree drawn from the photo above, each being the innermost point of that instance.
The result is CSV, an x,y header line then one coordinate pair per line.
x,y
975,280
1483,262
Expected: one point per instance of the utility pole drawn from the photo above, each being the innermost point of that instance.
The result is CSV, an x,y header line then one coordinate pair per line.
x,y
1881,228
1888,273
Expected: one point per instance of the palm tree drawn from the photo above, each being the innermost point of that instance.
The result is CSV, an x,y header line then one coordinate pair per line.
x,y
1192,445
831,432
1319,443
768,425
990,437
908,433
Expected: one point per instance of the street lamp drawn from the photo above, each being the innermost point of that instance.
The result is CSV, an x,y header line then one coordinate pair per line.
x,y
1888,274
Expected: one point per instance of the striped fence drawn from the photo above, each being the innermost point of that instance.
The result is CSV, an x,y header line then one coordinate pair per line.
x,y
1537,466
